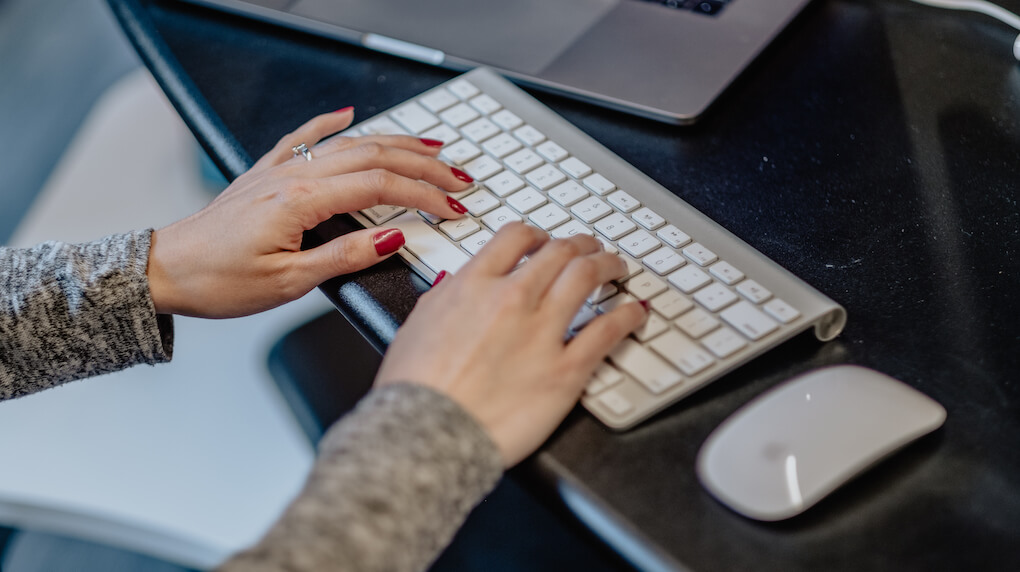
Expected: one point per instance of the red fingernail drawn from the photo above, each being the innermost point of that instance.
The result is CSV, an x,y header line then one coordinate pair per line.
x,y
388,241
432,142
644,304
455,205
439,277
344,109
461,175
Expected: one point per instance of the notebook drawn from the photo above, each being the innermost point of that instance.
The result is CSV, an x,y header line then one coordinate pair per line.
x,y
663,59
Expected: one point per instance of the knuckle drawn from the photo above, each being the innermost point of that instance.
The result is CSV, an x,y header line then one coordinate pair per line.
x,y
295,190
371,149
378,179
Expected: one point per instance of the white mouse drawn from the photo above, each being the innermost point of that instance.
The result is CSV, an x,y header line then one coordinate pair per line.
x,y
790,447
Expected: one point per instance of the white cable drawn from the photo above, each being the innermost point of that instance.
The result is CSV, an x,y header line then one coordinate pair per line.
x,y
980,6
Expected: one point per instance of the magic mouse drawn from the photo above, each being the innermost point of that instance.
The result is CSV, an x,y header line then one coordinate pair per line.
x,y
790,447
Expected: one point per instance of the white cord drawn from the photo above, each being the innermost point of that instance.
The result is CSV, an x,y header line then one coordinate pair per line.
x,y
980,6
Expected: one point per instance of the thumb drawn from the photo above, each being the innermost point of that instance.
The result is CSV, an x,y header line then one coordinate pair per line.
x,y
351,252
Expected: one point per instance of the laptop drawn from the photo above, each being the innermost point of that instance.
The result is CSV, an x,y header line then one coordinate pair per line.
x,y
663,59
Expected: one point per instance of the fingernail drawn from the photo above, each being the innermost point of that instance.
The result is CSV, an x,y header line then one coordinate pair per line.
x,y
432,142
455,205
344,109
388,241
461,175
644,304
439,278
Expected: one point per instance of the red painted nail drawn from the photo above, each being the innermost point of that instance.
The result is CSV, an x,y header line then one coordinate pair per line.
x,y
344,109
432,142
439,277
455,205
388,241
644,304
461,175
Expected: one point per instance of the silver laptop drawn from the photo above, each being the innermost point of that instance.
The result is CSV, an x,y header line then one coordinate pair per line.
x,y
663,59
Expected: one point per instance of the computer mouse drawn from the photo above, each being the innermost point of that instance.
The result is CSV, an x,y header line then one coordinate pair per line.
x,y
787,449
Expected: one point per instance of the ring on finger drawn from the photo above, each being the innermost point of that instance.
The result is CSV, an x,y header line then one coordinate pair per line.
x,y
302,150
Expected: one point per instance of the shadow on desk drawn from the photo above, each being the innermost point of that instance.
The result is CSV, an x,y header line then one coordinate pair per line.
x,y
324,367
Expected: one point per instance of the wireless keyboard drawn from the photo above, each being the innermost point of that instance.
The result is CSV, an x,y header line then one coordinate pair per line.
x,y
715,301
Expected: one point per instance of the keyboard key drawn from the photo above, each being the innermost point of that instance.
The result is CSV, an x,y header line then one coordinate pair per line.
x,y
686,355
459,114
552,152
568,193
463,89
614,302
633,267
605,377
699,254
430,218
480,129
382,213
653,326
673,236
504,183
599,185
590,210
663,261
523,161
460,152
688,279
646,367
575,167
697,323
623,201
671,304
428,245
459,228
507,120
480,202
715,297
753,291
500,217
569,229
382,126
549,217
485,104
545,177
639,243
645,286
482,167
529,135
526,200
723,342
414,117
617,404
502,145
442,132
748,320
648,219
476,241
781,311
602,293
438,100
614,226
726,272
607,246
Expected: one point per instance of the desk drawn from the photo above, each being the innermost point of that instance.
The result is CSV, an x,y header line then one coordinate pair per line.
x,y
873,150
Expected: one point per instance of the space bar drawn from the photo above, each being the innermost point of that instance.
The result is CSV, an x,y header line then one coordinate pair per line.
x,y
426,244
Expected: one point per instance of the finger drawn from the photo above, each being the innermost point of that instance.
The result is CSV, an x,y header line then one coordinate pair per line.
x,y
423,146
365,189
546,264
502,253
577,281
310,133
601,335
349,253
371,155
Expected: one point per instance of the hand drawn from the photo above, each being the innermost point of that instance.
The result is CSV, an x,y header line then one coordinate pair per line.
x,y
242,254
492,338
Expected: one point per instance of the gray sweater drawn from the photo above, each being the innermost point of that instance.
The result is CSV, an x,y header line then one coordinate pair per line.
x,y
393,481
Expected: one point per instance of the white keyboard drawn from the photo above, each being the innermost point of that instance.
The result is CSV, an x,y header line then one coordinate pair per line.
x,y
716,302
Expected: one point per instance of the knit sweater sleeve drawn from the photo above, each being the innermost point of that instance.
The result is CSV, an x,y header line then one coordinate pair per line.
x,y
393,482
69,311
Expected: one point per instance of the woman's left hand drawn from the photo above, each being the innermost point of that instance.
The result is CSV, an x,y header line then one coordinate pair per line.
x,y
242,254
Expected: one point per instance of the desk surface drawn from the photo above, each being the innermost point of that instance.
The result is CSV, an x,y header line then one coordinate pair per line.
x,y
873,150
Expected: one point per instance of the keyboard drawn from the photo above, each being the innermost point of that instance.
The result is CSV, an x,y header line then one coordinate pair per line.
x,y
715,301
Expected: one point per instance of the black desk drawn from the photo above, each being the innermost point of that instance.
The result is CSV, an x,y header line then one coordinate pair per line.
x,y
874,150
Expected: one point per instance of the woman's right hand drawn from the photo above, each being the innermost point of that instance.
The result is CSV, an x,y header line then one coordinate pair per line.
x,y
492,337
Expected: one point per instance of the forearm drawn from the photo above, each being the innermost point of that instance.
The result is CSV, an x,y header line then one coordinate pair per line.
x,y
69,311
394,481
